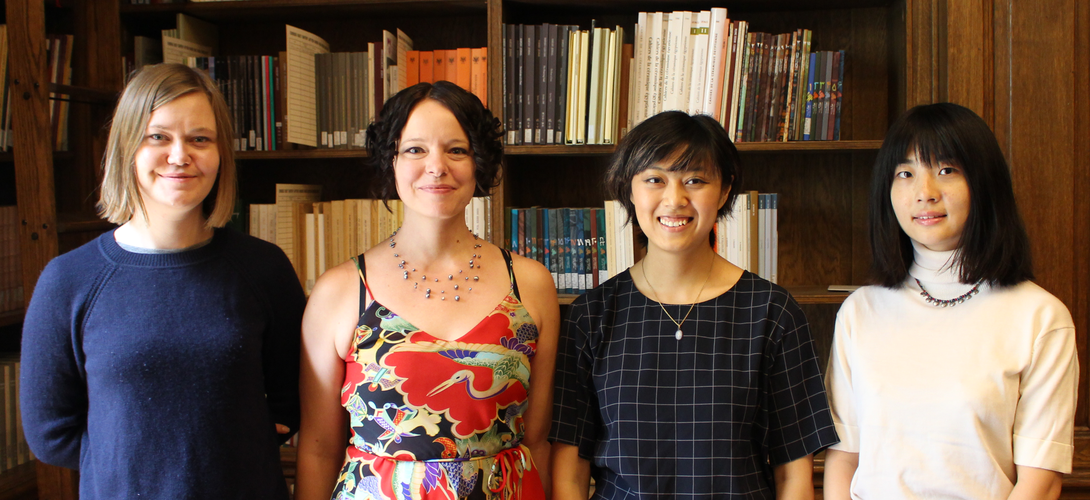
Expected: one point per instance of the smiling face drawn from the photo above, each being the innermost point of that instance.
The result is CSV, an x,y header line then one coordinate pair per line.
x,y
434,166
677,209
178,158
931,202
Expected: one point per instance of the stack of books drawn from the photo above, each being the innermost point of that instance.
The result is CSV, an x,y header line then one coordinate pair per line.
x,y
13,447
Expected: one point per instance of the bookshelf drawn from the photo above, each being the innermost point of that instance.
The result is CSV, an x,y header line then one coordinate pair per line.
x,y
900,53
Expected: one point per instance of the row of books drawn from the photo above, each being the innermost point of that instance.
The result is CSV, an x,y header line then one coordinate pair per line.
x,y
563,85
760,86
59,59
11,268
749,238
13,447
465,67
572,243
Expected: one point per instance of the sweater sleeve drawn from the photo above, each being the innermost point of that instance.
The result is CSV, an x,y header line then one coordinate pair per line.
x,y
53,390
1043,420
280,356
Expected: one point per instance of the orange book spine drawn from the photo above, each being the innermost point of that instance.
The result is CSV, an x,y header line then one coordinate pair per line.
x,y
426,68
476,77
452,67
439,62
412,72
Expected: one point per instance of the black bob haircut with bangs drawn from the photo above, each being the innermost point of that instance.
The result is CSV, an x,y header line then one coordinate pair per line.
x,y
994,247
484,131
693,142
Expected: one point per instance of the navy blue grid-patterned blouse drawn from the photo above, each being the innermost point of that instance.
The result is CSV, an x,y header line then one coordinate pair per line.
x,y
704,417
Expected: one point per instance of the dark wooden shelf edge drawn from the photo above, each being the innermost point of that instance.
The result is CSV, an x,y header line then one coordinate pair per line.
x,y
802,295
83,226
301,154
85,94
11,317
771,147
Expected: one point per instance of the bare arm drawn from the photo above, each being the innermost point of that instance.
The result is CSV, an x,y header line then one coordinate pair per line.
x,y
1036,484
795,479
839,469
571,473
330,317
539,296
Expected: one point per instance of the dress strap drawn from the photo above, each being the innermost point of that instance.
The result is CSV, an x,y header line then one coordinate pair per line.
x,y
511,273
365,291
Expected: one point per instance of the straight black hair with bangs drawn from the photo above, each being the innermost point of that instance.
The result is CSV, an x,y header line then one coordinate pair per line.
x,y
994,246
694,142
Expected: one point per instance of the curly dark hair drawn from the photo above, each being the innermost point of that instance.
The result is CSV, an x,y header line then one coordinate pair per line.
x,y
483,130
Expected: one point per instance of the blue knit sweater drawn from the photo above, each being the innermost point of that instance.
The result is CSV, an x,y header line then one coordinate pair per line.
x,y
161,375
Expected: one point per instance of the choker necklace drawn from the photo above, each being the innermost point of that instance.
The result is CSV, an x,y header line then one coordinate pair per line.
x,y
947,303
473,264
678,334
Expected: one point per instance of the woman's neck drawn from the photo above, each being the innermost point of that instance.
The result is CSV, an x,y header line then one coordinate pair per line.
x,y
163,233
433,239
675,278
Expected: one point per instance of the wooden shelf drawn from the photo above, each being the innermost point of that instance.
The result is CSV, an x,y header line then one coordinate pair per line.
x,y
20,482
84,94
802,294
272,9
301,154
11,317
76,225
770,147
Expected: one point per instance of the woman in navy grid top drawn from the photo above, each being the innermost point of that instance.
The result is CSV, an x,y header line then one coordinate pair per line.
x,y
685,376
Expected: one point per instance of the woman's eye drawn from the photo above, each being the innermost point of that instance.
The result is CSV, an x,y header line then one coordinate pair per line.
x,y
414,150
157,137
903,174
459,151
202,139
947,170
696,181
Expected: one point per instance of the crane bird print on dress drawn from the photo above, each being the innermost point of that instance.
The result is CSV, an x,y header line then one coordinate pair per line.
x,y
508,366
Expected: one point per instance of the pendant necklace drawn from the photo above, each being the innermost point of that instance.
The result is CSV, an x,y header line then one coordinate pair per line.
x,y
947,302
405,273
678,334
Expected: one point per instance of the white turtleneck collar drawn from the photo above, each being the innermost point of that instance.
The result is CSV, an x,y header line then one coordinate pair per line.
x,y
931,266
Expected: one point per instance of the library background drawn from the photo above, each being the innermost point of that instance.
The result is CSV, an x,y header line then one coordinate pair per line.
x,y
806,89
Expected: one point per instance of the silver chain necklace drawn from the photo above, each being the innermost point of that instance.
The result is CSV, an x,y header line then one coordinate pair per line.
x,y
406,270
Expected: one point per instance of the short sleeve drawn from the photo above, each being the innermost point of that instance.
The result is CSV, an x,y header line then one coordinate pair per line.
x,y
799,422
838,381
1044,417
576,419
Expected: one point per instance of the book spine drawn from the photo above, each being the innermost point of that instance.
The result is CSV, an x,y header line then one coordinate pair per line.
x,y
529,42
839,96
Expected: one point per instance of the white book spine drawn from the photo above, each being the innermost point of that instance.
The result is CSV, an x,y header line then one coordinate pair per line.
x,y
699,57
713,75
654,100
311,263
684,66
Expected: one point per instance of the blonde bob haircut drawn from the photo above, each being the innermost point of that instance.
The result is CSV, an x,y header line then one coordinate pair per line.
x,y
149,89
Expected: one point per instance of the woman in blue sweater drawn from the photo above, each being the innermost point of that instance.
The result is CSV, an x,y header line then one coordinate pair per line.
x,y
161,359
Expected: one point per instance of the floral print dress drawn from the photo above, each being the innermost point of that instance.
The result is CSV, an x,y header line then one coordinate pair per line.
x,y
439,419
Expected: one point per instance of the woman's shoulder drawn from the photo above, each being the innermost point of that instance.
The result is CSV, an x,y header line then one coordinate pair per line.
x,y
1029,300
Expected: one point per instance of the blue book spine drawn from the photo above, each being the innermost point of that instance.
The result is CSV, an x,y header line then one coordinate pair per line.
x,y
565,246
514,231
603,273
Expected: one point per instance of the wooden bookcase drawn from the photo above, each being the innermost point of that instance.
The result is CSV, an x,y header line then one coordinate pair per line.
x,y
985,54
